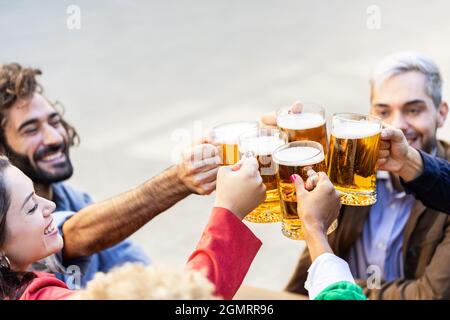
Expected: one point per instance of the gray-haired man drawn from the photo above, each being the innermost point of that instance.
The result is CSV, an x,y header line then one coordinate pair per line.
x,y
398,248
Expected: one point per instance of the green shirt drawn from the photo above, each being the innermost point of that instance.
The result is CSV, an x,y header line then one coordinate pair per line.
x,y
342,290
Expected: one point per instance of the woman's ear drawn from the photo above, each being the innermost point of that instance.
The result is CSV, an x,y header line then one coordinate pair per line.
x,y
4,261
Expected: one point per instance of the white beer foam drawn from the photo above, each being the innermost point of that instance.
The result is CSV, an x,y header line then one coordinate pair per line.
x,y
354,130
229,133
300,121
262,145
299,156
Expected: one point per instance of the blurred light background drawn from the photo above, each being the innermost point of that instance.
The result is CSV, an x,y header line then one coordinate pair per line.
x,y
138,75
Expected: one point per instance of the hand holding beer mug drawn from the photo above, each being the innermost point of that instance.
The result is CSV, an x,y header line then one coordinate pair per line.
x,y
261,143
198,168
397,156
269,120
226,137
319,207
394,149
302,158
352,157
240,188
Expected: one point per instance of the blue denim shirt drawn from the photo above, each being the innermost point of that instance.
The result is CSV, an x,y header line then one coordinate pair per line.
x,y
381,241
68,202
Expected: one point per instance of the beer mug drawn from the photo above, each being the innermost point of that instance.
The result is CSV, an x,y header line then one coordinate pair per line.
x,y
261,143
226,136
352,157
304,122
299,157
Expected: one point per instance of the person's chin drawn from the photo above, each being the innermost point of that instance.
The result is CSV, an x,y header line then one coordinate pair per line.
x,y
54,243
56,173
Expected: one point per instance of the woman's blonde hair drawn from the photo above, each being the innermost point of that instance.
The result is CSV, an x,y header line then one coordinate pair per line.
x,y
133,281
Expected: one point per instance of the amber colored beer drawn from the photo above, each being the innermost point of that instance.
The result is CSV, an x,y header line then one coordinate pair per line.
x,y
227,135
307,125
261,143
296,158
353,156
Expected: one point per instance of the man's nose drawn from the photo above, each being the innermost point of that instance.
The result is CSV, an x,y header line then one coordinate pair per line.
x,y
52,136
398,121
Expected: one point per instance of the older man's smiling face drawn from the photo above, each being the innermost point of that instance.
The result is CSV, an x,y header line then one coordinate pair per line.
x,y
402,102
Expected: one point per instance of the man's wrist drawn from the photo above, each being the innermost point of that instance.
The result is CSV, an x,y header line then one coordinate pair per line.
x,y
412,167
180,186
166,188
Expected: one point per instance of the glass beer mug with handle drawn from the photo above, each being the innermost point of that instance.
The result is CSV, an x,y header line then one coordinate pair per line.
x,y
352,157
304,121
261,143
299,157
226,136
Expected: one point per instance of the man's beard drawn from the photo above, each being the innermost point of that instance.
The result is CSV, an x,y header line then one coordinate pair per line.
x,y
427,145
37,175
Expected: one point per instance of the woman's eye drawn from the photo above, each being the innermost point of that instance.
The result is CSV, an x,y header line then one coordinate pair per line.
x,y
33,209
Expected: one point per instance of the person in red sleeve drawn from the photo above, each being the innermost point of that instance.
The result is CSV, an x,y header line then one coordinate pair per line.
x,y
28,234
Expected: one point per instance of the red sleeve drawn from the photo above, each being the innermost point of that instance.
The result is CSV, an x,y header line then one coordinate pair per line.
x,y
46,287
225,252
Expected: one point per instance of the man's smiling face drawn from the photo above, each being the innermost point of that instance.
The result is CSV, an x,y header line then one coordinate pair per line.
x,y
402,102
36,140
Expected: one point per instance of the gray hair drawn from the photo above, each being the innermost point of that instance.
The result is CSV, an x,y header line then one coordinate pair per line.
x,y
406,61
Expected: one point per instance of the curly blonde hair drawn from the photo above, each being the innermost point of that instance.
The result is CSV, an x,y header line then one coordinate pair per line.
x,y
133,281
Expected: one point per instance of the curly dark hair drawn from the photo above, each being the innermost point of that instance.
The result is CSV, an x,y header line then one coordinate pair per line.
x,y
17,83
